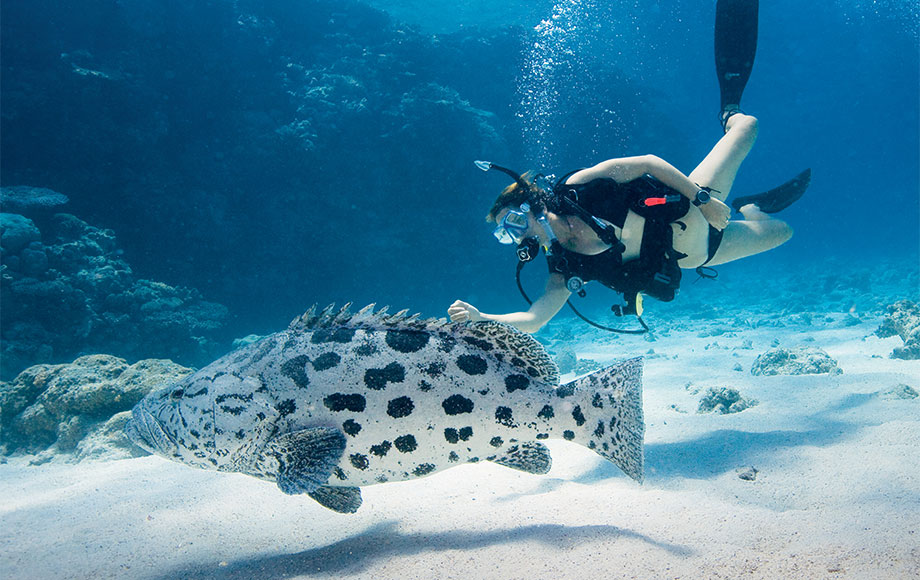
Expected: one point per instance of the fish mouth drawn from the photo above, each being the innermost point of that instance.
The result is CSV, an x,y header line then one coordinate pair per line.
x,y
145,431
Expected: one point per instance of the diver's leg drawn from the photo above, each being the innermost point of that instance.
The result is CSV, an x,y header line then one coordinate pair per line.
x,y
757,233
719,168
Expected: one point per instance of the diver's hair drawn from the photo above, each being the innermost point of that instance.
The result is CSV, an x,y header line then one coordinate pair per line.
x,y
514,195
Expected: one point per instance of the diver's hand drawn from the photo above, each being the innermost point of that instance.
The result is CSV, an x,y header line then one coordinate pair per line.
x,y
461,311
716,213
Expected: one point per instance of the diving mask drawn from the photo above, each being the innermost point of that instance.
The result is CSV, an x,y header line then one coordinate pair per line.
x,y
513,226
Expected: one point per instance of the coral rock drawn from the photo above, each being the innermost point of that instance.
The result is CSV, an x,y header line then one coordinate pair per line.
x,y
724,400
69,408
795,361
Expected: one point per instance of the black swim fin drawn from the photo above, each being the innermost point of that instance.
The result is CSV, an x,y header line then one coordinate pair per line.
x,y
778,198
736,44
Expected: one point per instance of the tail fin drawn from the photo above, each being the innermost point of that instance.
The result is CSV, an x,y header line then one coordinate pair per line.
x,y
611,405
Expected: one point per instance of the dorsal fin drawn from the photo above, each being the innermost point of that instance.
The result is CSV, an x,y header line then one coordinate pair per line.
x,y
524,350
521,345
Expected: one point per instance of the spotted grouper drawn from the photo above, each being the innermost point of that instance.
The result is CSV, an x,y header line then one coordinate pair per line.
x,y
345,399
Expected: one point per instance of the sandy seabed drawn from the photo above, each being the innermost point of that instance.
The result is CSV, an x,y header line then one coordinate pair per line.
x,y
836,492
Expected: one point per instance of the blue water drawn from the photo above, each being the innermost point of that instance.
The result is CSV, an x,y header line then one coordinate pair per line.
x,y
275,154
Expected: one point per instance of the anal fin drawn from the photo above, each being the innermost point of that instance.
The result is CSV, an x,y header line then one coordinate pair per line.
x,y
304,459
529,457
345,500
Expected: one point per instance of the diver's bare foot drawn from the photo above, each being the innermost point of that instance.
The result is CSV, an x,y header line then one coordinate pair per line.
x,y
752,213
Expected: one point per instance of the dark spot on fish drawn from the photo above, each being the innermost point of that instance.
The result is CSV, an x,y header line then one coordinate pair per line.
x,y
542,436
446,342
240,434
423,469
518,362
195,434
484,392
382,449
592,444
286,407
341,402
235,411
235,396
340,335
532,371
496,442
400,407
597,402
339,474
377,379
578,415
351,427
613,424
381,479
326,361
568,435
457,405
546,412
567,390
405,444
406,340
473,460
503,417
295,369
453,457
466,433
516,383
261,416
202,391
366,349
424,386
451,435
359,461
472,364
479,343
435,369
599,431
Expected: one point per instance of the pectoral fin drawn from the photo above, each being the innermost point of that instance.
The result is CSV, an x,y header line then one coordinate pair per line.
x,y
345,500
530,457
304,459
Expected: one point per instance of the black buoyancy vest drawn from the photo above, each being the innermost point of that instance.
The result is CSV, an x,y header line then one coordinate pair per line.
x,y
655,272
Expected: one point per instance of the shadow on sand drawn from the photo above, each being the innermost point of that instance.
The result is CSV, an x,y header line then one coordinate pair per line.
x,y
383,541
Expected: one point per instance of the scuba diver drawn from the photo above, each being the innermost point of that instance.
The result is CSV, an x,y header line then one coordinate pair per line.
x,y
633,223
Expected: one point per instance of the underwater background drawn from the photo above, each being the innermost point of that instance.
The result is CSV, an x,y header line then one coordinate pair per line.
x,y
230,163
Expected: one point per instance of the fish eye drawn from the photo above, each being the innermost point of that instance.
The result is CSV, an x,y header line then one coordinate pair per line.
x,y
177,394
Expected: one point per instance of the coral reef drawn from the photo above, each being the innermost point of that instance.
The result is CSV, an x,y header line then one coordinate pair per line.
x,y
724,400
74,293
903,319
78,408
23,198
794,361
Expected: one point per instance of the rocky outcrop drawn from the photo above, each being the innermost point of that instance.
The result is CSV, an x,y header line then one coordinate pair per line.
x,y
795,361
903,319
78,409
68,290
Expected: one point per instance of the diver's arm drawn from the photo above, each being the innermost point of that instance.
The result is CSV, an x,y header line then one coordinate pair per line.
x,y
715,211
539,313
628,168
621,170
